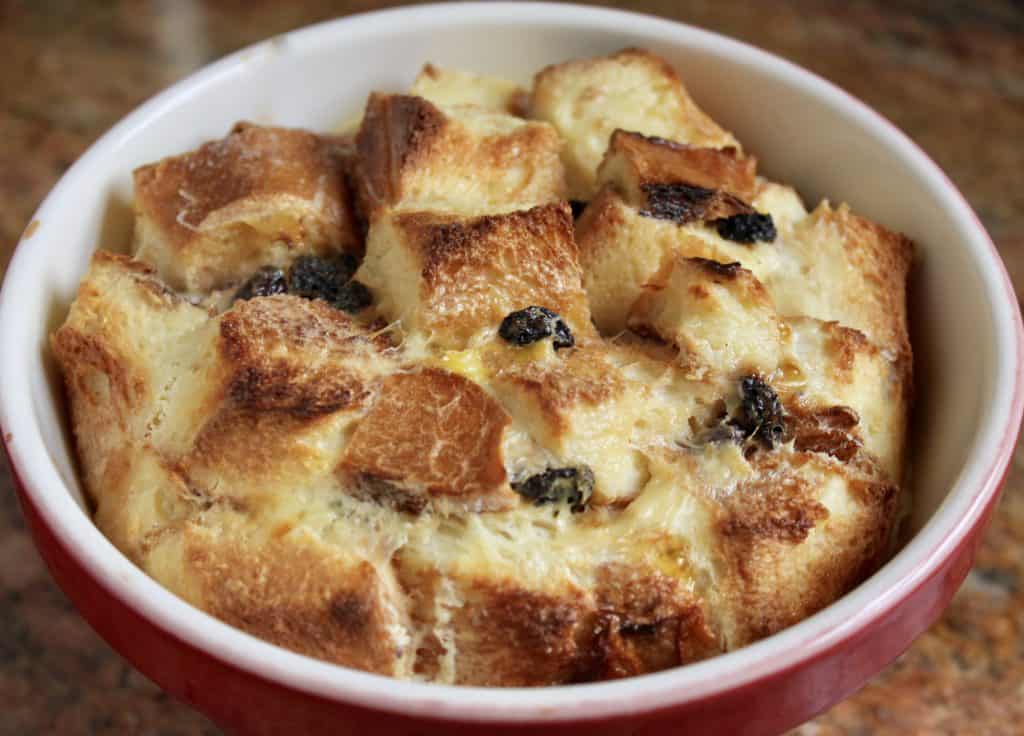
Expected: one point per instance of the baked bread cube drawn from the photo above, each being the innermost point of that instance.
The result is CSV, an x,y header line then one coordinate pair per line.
x,y
261,196
781,534
526,598
287,580
844,393
431,436
495,630
635,90
116,358
448,87
266,393
577,406
659,198
717,314
414,155
637,165
621,249
845,268
831,265
451,277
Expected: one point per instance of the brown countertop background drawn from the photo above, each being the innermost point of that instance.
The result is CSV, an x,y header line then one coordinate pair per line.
x,y
951,74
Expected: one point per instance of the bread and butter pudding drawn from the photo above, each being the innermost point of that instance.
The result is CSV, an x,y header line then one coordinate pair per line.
x,y
381,399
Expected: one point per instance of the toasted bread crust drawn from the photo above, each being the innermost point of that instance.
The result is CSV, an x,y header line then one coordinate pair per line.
x,y
635,90
299,593
458,275
646,160
718,315
883,257
252,335
431,433
703,444
414,155
397,133
269,192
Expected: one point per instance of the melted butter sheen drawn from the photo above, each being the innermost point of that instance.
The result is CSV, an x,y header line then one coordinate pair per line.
x,y
470,363
467,363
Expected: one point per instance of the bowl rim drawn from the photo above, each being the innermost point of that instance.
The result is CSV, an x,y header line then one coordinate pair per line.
x,y
964,508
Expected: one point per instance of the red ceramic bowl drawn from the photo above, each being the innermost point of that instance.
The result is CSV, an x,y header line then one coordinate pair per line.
x,y
967,341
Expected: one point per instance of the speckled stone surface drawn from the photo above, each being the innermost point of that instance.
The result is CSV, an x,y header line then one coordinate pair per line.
x,y
951,74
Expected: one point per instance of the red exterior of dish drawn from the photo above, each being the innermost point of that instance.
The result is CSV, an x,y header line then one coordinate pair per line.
x,y
244,703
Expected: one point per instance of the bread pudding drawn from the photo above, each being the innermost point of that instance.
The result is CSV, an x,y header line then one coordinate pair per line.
x,y
509,387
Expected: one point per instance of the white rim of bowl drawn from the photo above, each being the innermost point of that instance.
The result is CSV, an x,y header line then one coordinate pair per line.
x,y
806,641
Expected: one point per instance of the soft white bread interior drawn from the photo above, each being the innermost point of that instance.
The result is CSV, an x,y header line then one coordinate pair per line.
x,y
446,87
718,315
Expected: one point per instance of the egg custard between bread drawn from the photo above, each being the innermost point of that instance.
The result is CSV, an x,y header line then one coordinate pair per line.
x,y
382,400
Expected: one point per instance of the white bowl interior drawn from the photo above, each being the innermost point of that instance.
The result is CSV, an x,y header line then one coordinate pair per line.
x,y
803,132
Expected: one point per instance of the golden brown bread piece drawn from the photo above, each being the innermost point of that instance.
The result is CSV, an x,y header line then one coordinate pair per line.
x,y
209,218
624,242
431,434
116,357
781,535
281,377
828,245
461,158
634,90
636,162
289,583
717,314
827,365
576,408
450,277
483,628
413,491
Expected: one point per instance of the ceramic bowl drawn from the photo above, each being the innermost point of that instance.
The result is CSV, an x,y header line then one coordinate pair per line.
x,y
966,335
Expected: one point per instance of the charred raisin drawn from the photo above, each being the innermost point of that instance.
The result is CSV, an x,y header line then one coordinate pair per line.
x,y
577,208
681,203
760,413
572,485
314,277
747,228
353,297
265,282
526,326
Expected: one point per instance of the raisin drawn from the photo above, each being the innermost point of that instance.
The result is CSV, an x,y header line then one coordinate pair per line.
x,y
760,412
314,277
265,282
353,297
577,208
573,485
526,326
747,228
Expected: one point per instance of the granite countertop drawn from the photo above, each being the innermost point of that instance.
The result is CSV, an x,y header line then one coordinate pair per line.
x,y
951,74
